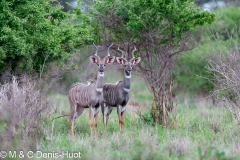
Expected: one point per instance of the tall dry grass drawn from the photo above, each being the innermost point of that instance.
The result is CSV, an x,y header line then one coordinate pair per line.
x,y
22,113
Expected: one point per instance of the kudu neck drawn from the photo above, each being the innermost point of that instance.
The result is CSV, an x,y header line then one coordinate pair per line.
x,y
127,82
99,82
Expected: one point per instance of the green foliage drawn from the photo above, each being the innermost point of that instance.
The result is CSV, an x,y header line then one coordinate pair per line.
x,y
190,73
147,117
228,24
35,33
131,19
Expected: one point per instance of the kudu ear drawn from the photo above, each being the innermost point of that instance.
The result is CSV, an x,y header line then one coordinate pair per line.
x,y
94,59
135,61
121,60
109,59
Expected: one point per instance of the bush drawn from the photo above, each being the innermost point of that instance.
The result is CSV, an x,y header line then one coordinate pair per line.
x,y
35,33
22,112
190,74
228,24
226,70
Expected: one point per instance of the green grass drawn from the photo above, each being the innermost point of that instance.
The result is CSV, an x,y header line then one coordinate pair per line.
x,y
198,131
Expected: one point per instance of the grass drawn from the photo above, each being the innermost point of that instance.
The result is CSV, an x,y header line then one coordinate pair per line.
x,y
198,131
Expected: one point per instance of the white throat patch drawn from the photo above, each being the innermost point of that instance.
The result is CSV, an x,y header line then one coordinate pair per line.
x,y
101,74
99,89
128,76
126,90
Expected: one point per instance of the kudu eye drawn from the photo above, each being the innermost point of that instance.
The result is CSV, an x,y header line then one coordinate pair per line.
x,y
104,65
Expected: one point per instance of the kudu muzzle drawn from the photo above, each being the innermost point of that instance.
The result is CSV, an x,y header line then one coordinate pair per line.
x,y
128,69
101,68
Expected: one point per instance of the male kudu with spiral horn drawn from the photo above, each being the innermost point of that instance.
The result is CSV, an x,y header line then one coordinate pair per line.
x,y
117,95
89,96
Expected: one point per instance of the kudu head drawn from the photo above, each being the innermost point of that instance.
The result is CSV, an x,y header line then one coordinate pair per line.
x,y
128,64
102,62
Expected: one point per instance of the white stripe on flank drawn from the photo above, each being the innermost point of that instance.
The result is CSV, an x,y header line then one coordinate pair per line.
x,y
126,90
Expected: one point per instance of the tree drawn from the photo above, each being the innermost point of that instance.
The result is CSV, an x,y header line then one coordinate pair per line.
x,y
160,29
34,33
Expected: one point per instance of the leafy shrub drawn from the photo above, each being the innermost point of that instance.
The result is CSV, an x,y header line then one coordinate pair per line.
x,y
147,117
190,74
35,33
228,24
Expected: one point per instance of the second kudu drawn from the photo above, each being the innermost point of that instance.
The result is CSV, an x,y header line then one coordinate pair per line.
x,y
117,95
89,96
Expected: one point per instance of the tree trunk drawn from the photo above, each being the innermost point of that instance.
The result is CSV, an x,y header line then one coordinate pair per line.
x,y
170,97
155,113
162,107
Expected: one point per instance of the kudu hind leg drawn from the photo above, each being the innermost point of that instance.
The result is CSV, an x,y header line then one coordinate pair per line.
x,y
71,128
79,111
72,117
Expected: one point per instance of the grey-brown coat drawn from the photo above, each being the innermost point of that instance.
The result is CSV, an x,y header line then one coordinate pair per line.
x,y
89,96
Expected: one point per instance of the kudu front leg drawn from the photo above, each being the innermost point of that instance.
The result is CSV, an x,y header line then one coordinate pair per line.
x,y
95,123
122,120
119,110
106,114
93,119
91,115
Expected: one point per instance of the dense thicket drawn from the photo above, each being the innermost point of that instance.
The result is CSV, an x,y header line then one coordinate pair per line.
x,y
36,32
